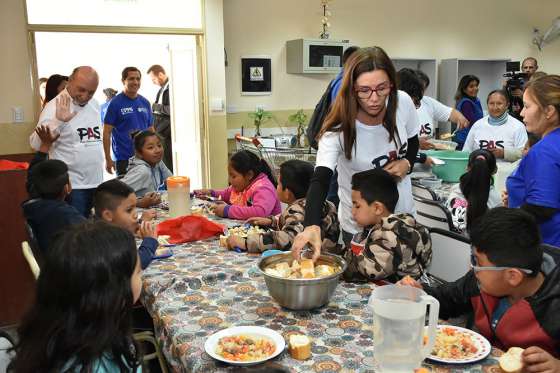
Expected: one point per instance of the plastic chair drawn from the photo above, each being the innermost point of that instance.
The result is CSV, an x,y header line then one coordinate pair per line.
x,y
451,255
28,254
148,337
422,191
433,214
6,342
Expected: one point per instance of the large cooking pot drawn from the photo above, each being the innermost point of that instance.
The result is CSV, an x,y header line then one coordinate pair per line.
x,y
301,294
455,164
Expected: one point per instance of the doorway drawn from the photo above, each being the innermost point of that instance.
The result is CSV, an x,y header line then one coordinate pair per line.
x,y
110,53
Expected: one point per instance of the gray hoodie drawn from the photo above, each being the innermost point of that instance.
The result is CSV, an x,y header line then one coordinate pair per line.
x,y
144,178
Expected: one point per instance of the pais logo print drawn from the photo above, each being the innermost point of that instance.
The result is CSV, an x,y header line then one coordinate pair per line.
x,y
393,155
89,134
426,129
491,144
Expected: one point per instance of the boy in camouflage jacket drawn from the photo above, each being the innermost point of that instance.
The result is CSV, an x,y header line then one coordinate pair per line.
x,y
294,180
391,246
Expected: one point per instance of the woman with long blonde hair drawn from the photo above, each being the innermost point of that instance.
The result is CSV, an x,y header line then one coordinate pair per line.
x,y
371,125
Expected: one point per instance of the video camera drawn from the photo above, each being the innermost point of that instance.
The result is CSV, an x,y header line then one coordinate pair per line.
x,y
516,79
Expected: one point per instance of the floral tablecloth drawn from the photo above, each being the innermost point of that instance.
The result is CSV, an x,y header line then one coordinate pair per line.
x,y
204,288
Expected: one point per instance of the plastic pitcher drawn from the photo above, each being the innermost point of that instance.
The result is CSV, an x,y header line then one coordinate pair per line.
x,y
178,196
399,314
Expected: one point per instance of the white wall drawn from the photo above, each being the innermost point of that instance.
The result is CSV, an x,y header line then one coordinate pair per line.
x,y
405,28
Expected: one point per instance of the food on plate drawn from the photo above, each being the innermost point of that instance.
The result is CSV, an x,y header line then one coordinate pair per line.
x,y
441,146
304,269
454,344
161,251
299,346
245,348
241,231
163,240
510,362
446,136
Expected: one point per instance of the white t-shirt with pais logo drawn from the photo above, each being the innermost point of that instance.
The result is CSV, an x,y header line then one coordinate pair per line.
x,y
372,149
80,144
431,112
510,136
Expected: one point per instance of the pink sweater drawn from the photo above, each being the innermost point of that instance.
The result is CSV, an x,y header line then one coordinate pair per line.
x,y
257,200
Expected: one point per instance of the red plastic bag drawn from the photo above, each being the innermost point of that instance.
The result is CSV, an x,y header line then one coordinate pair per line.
x,y
189,228
6,165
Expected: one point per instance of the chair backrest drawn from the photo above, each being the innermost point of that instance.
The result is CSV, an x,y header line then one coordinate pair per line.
x,y
432,214
451,255
421,191
28,254
6,342
553,251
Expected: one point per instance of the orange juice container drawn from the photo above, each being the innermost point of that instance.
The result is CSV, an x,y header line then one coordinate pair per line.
x,y
178,196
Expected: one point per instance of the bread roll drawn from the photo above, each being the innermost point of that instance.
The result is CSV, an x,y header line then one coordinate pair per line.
x,y
223,241
307,268
299,347
510,362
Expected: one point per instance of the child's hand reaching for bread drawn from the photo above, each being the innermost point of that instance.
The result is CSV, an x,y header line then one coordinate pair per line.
x,y
234,241
147,229
537,360
409,281
262,222
218,208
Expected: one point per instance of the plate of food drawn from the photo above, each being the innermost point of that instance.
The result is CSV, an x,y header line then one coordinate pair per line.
x,y
456,345
162,253
245,345
241,231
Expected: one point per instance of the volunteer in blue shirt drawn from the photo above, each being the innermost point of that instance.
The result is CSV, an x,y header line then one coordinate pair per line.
x,y
127,114
534,185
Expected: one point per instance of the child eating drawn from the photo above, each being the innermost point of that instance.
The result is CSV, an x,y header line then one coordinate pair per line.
x,y
295,176
390,246
146,172
252,190
512,289
115,203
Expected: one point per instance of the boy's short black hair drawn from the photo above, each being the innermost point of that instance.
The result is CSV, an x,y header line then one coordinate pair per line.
x,y
140,139
377,185
109,195
424,79
48,179
295,176
408,81
509,238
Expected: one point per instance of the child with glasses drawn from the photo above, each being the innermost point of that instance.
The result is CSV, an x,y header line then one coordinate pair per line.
x,y
512,289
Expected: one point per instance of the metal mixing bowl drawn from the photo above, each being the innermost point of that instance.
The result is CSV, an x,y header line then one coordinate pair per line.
x,y
301,294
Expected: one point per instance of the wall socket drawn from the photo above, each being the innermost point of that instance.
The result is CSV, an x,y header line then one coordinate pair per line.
x,y
17,114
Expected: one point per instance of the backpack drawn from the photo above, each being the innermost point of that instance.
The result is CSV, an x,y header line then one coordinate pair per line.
x,y
319,114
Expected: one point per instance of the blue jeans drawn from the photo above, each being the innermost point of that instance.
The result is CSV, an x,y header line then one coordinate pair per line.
x,y
82,200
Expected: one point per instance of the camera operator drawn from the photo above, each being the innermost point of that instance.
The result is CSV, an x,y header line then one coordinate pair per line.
x,y
529,67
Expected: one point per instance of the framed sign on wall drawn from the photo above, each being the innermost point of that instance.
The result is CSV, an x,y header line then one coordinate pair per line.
x,y
256,75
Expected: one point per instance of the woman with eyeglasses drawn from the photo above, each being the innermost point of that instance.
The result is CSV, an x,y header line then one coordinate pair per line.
x,y
371,125
535,184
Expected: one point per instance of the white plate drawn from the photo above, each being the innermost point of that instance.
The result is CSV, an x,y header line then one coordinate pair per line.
x,y
484,348
256,331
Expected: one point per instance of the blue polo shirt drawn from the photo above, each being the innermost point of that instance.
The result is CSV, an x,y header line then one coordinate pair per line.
x,y
127,116
536,182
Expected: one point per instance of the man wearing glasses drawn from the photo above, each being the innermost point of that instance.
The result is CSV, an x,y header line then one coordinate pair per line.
x,y
512,289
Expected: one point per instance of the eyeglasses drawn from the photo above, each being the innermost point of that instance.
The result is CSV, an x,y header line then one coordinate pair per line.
x,y
382,90
477,268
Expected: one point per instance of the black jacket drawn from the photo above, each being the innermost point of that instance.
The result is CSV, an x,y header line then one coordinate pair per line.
x,y
46,217
532,321
162,113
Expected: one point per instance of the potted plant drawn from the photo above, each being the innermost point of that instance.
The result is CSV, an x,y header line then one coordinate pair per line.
x,y
301,119
259,117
